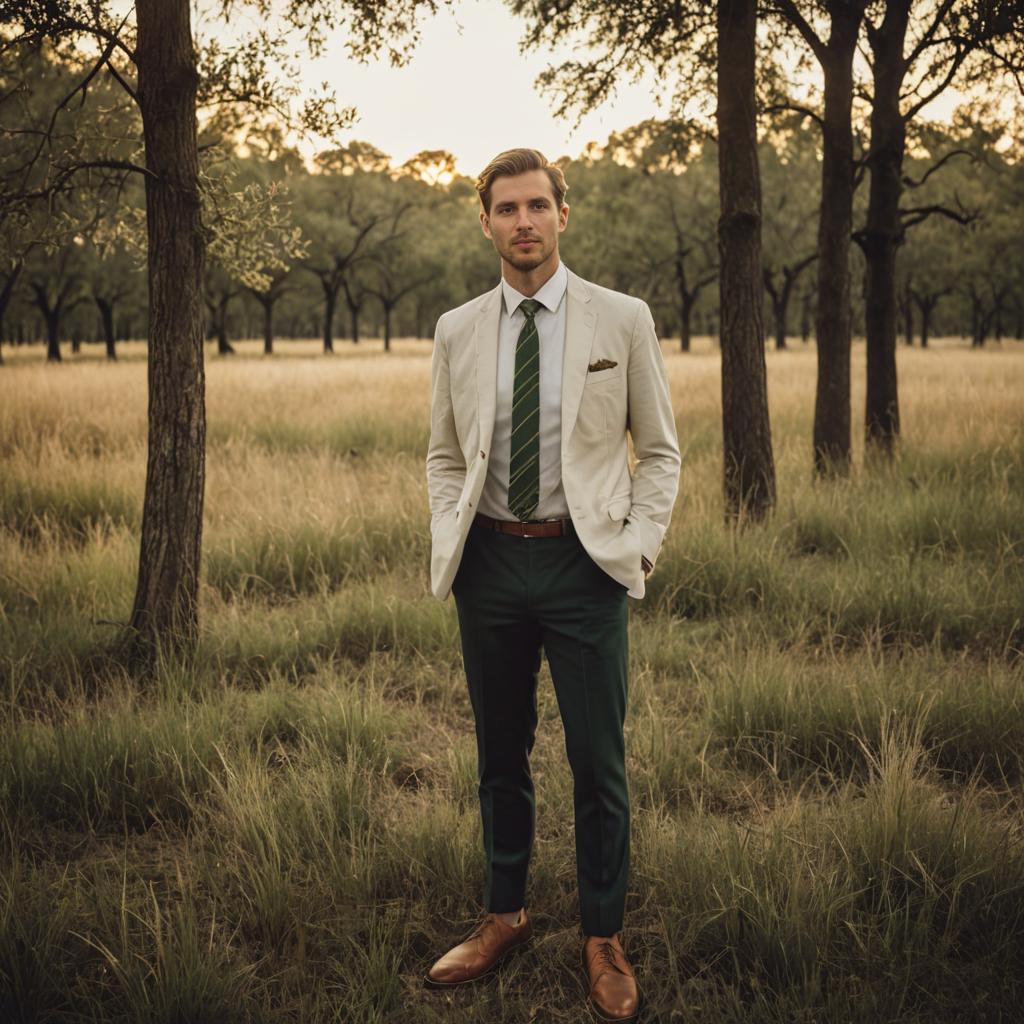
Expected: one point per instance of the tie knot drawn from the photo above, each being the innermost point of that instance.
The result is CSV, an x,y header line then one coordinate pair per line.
x,y
530,307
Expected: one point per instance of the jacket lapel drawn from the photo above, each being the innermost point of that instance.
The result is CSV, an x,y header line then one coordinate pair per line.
x,y
580,328
486,335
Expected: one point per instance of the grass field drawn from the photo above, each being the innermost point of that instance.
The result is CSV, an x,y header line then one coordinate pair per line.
x,y
825,735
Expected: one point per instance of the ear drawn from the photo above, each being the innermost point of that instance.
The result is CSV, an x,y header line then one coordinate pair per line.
x,y
485,224
563,216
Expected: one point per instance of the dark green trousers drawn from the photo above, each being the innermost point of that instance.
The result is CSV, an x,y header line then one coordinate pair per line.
x,y
516,596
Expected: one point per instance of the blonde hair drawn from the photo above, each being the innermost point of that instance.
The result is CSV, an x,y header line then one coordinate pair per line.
x,y
519,161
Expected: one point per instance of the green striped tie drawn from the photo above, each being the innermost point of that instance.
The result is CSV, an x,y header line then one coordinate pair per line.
x,y
524,462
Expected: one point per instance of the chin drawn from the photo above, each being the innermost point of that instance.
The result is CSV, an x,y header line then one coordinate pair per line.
x,y
521,262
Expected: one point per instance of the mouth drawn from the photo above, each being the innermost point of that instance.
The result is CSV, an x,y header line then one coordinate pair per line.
x,y
524,242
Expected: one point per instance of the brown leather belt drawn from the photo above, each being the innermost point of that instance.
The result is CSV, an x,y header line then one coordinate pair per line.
x,y
547,528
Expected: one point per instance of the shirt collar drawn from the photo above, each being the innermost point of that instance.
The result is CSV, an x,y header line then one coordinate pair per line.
x,y
549,295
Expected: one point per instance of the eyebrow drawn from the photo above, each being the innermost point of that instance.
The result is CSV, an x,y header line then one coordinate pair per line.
x,y
535,199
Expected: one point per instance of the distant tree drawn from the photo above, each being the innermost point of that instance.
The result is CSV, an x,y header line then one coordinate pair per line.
x,y
57,283
830,30
676,220
341,209
51,194
789,169
114,276
404,259
930,44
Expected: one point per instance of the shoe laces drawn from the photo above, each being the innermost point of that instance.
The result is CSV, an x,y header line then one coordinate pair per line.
x,y
606,953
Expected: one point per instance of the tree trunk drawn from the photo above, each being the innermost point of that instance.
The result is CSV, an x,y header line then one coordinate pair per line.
x,y
749,465
5,299
978,329
685,305
224,347
53,335
354,320
685,316
107,317
387,328
268,325
330,301
166,608
907,308
926,316
832,315
883,232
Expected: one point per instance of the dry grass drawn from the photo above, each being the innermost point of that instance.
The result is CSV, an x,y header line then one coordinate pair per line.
x,y
824,736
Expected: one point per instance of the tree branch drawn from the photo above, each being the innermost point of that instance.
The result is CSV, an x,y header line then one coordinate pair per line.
x,y
910,183
797,109
954,66
788,10
916,214
927,36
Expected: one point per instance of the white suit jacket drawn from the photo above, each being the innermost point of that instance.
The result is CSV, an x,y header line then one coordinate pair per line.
x,y
618,516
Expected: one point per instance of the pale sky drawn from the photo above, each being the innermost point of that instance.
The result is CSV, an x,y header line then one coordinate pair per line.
x,y
468,90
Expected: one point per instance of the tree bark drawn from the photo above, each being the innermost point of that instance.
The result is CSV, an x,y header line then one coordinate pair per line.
x,y
749,465
883,232
165,614
907,309
926,303
107,317
330,301
354,309
685,304
268,324
835,225
52,317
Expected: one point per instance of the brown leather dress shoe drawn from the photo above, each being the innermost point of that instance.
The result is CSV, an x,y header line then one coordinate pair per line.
x,y
613,993
480,951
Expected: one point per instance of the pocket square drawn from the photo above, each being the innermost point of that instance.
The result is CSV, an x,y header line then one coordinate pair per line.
x,y
602,364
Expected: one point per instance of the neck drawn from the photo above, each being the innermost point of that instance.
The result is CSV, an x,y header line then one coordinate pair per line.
x,y
529,282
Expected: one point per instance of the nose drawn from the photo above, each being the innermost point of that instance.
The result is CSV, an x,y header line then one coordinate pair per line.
x,y
523,218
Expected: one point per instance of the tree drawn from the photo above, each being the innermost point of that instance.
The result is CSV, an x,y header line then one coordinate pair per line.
x,y
51,195
162,52
949,39
701,46
677,210
834,55
397,265
788,169
113,277
340,209
57,287
749,465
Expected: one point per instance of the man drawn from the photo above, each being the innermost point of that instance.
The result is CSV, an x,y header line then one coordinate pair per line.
x,y
540,531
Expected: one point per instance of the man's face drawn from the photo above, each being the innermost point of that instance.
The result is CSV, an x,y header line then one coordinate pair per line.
x,y
524,223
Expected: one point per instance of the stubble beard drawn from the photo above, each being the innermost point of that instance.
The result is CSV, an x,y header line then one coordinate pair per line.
x,y
521,261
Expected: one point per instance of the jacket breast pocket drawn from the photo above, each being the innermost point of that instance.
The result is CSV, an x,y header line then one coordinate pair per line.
x,y
599,380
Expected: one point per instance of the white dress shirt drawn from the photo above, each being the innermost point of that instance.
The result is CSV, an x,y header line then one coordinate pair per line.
x,y
550,321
